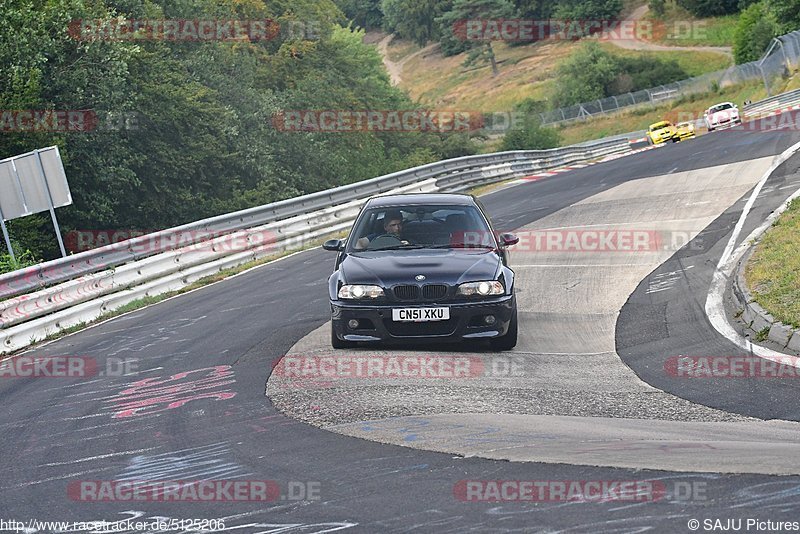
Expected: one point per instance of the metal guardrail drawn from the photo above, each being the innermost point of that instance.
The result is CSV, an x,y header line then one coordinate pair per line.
x,y
28,317
783,100
84,263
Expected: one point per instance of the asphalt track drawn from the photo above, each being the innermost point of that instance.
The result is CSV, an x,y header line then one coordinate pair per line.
x,y
57,431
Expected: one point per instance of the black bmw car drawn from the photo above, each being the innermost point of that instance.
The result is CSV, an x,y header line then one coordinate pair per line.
x,y
423,267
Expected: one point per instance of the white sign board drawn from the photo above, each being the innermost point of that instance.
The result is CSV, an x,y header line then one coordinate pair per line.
x,y
28,186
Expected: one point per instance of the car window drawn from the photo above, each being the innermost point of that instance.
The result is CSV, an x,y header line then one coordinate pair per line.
x,y
434,226
721,107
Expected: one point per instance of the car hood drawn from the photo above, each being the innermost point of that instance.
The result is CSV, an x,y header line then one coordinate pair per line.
x,y
725,113
438,266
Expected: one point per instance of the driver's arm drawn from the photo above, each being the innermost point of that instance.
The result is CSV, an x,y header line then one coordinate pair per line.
x,y
362,243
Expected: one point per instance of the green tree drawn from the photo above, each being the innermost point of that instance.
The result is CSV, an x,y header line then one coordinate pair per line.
x,y
451,24
533,9
755,29
414,19
201,140
786,12
366,14
588,9
658,7
709,8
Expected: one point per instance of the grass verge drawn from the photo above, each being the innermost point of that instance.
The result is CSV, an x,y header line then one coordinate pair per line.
x,y
773,271
681,28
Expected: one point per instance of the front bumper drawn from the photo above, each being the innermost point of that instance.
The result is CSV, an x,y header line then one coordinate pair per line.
x,y
466,321
658,139
728,123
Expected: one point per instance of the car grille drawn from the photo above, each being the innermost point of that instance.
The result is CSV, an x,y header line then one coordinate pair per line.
x,y
406,292
434,291
431,328
427,292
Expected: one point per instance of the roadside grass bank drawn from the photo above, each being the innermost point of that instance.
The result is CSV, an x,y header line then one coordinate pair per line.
x,y
688,30
773,272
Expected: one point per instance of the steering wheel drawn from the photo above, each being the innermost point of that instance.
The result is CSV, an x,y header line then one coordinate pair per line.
x,y
385,240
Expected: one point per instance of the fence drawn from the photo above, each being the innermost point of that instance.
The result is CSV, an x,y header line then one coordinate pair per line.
x,y
781,57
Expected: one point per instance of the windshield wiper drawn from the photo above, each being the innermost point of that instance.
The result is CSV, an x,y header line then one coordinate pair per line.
x,y
463,245
394,247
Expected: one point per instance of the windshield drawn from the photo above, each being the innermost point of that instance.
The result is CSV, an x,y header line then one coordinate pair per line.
x,y
721,107
658,126
416,227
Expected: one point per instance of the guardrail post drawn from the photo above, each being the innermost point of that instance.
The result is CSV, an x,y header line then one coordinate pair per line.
x,y
5,236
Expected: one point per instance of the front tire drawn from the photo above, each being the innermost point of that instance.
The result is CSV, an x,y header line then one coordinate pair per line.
x,y
337,343
508,341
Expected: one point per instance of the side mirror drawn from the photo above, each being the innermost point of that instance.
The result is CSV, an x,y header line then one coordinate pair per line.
x,y
333,244
506,240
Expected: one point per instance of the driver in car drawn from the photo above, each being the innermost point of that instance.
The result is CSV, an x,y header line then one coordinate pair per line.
x,y
392,226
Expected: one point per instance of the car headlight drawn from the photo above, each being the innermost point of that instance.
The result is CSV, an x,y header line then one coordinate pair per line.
x,y
357,291
481,289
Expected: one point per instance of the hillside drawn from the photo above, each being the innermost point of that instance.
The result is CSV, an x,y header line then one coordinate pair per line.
x,y
530,71
525,71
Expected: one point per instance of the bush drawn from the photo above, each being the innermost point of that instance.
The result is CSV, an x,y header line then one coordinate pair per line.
x,y
754,31
591,73
26,259
647,71
531,136
586,75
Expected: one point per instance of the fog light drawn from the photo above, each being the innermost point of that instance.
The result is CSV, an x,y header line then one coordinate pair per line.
x,y
489,319
353,324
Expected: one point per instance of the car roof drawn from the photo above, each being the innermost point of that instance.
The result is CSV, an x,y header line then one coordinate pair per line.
x,y
417,199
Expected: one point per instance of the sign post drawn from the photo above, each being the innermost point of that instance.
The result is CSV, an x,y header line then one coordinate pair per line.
x,y
50,205
31,183
5,236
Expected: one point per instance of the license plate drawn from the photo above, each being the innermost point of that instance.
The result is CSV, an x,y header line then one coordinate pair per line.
x,y
420,314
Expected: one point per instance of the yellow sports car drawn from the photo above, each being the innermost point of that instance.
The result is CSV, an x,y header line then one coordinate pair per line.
x,y
684,130
661,132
